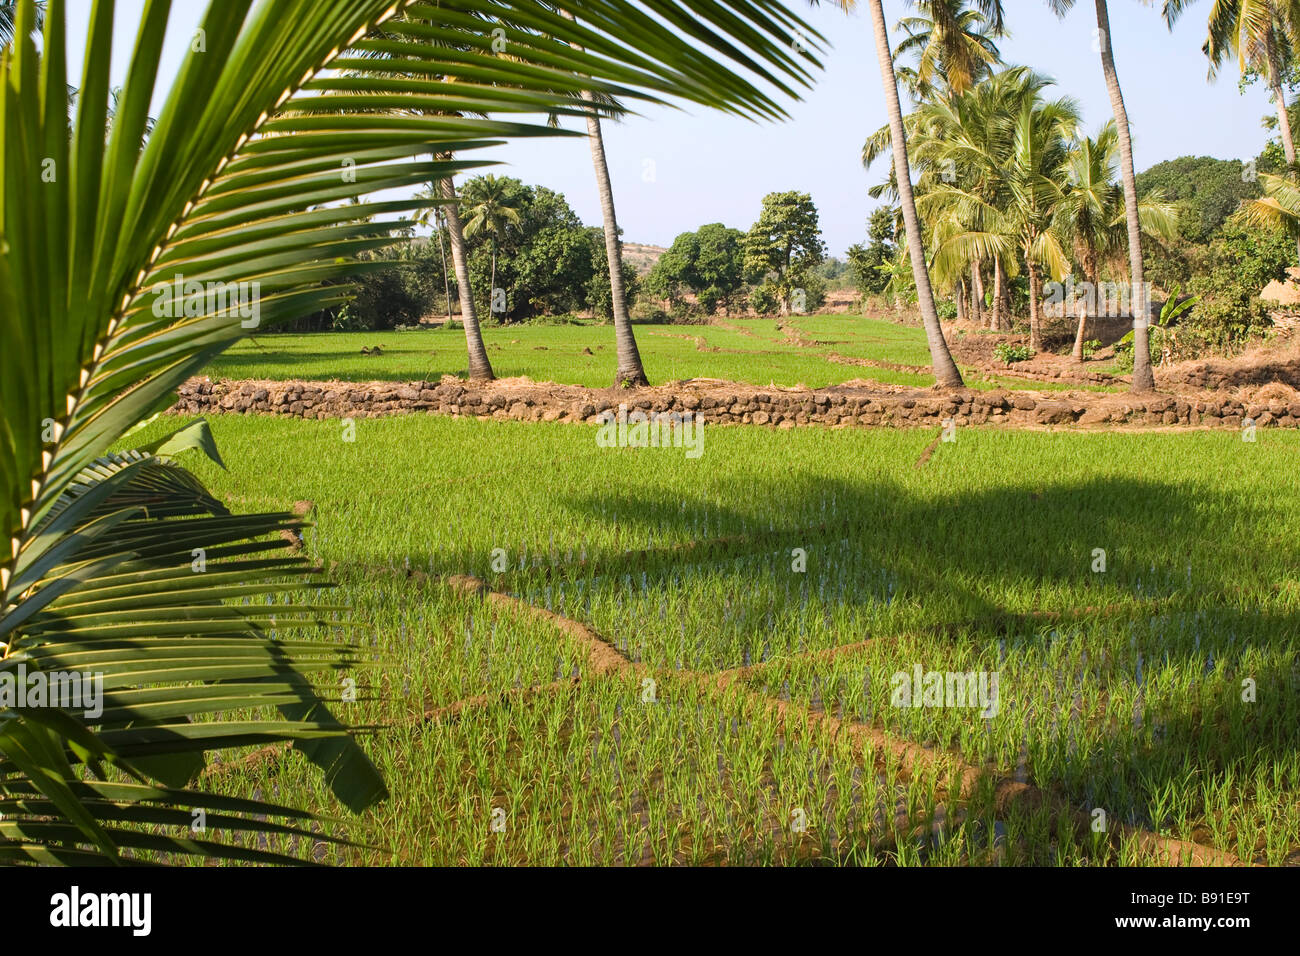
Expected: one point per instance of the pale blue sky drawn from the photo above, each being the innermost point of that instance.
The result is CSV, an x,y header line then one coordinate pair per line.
x,y
674,170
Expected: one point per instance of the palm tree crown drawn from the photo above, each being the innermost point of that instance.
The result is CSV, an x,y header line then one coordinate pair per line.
x,y
952,44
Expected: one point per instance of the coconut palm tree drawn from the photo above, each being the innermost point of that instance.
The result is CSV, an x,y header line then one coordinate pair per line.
x,y
921,125
116,277
1143,378
630,371
491,208
1260,33
1278,208
962,145
1012,146
1092,215
952,44
480,367
433,216
443,195
8,20
1040,147
945,369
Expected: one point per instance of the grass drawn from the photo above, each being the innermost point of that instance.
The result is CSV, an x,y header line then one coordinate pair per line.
x,y
741,350
1121,690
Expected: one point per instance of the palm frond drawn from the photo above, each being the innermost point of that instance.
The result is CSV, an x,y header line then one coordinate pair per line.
x,y
127,263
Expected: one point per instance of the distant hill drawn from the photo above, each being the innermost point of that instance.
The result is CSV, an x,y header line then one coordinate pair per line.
x,y
641,257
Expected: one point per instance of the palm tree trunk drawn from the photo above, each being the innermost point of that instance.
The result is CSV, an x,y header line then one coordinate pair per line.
x,y
1284,127
961,300
1005,293
480,369
1143,378
492,283
996,321
945,369
446,276
977,292
1094,277
630,370
1035,339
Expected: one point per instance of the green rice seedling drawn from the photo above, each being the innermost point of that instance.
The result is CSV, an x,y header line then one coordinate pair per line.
x,y
1162,690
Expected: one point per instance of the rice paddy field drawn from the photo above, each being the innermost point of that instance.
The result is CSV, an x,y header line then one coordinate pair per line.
x,y
1134,596
816,351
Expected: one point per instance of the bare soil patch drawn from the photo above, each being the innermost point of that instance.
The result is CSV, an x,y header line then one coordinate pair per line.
x,y
976,350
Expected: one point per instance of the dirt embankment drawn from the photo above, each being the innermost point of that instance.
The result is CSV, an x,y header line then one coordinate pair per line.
x,y
1277,362
853,404
1250,369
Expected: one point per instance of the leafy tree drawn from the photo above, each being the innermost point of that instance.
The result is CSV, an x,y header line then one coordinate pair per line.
x,y
784,245
718,271
708,262
546,259
552,271
833,268
763,299
1210,190
667,277
401,294
870,265
1247,254
542,208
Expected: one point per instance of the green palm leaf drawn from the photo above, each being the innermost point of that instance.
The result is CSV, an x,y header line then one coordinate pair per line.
x,y
127,263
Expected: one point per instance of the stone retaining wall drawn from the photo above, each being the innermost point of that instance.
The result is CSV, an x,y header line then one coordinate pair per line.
x,y
722,404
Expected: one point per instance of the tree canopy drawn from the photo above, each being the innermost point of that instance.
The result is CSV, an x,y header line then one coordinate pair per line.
x,y
785,245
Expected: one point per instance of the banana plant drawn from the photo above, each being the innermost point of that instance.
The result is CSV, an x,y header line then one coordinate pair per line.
x,y
1172,310
127,263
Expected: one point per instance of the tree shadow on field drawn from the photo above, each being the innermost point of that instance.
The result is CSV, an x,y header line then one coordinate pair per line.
x,y
1176,564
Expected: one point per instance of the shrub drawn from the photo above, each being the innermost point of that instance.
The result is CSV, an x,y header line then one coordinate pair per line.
x,y
682,312
1008,352
1243,260
399,295
763,299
